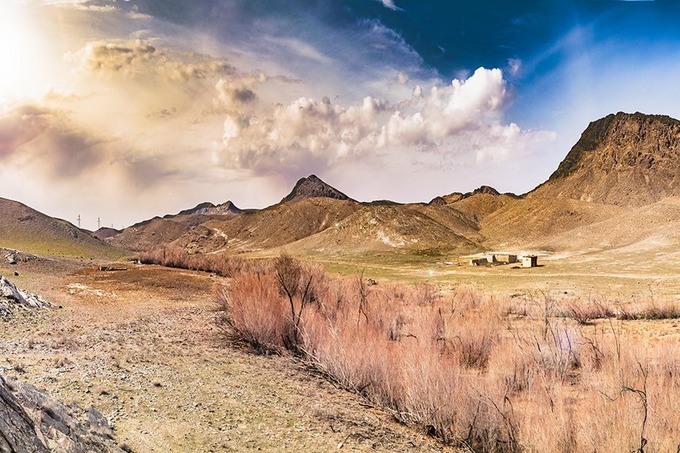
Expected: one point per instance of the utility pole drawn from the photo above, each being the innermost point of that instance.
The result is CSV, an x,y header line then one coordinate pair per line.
x,y
78,220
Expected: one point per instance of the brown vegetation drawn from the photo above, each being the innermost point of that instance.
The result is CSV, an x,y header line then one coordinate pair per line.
x,y
220,264
470,368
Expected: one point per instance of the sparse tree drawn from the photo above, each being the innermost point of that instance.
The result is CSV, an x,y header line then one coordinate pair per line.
x,y
295,282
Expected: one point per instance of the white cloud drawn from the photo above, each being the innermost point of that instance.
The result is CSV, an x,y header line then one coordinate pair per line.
x,y
189,115
390,4
139,58
461,118
514,66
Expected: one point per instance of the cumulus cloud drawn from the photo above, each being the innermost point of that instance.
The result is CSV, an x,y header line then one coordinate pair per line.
x,y
237,92
140,58
463,117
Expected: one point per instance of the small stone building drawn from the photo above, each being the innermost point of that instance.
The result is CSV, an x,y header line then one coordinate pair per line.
x,y
506,258
478,262
529,261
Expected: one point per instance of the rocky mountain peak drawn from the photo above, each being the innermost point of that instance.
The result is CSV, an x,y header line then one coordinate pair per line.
x,y
625,159
487,190
623,140
312,187
208,208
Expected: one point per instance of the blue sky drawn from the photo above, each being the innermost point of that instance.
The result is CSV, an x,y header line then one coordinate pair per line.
x,y
170,103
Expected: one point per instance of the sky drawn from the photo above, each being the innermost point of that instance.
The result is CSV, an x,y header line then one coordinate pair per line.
x,y
126,109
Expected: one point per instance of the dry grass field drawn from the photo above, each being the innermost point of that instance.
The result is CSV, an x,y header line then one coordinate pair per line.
x,y
143,348
478,370
553,358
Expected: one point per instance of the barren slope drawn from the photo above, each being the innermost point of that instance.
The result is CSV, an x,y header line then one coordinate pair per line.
x,y
272,227
392,228
30,231
647,230
149,234
530,221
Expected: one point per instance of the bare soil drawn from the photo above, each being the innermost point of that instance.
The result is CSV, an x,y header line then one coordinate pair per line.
x,y
142,347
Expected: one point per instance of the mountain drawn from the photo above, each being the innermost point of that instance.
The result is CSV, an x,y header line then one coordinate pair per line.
x,y
622,159
458,196
621,164
422,229
313,187
30,231
207,208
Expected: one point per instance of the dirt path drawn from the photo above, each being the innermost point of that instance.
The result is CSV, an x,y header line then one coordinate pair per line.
x,y
142,347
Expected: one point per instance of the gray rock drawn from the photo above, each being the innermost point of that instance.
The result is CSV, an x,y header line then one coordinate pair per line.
x,y
11,257
12,298
32,421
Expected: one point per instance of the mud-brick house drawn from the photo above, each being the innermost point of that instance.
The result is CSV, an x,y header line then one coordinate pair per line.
x,y
506,258
529,261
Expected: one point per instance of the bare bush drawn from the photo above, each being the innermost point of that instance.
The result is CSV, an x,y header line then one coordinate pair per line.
x,y
454,363
220,263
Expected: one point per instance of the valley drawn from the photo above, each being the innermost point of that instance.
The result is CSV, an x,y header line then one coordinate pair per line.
x,y
154,349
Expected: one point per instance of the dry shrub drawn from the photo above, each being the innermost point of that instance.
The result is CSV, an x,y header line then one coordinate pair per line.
x,y
254,312
454,363
219,263
586,311
651,309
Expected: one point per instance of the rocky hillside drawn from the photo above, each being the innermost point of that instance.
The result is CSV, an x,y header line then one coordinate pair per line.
x,y
623,159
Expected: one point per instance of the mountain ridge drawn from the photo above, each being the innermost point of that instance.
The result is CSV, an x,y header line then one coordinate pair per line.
x,y
622,161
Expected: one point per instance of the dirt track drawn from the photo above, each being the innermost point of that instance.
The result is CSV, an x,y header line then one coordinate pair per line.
x,y
142,347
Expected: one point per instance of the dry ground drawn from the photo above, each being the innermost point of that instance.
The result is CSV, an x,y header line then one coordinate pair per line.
x,y
142,347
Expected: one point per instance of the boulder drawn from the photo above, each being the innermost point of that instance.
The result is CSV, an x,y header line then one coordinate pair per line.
x,y
12,298
11,257
32,421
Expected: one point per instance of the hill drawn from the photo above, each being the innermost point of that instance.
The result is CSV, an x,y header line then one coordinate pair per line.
x,y
275,226
149,234
30,231
623,159
394,228
621,162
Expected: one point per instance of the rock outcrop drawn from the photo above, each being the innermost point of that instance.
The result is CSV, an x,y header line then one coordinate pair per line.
x,y
33,422
12,299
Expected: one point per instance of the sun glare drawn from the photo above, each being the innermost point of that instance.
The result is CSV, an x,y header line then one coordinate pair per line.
x,y
23,72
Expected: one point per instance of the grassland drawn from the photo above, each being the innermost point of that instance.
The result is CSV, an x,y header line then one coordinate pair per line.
x,y
480,371
144,345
